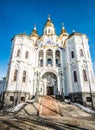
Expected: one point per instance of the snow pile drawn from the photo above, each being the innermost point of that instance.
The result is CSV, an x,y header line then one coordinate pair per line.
x,y
86,109
30,101
16,108
67,101
19,106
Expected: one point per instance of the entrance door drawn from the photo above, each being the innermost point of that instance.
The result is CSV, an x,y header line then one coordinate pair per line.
x,y
50,90
49,83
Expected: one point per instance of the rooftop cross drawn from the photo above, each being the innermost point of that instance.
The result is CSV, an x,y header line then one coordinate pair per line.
x,y
62,25
34,26
49,16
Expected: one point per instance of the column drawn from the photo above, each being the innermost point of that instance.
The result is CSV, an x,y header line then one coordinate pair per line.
x,y
58,84
61,59
54,64
37,56
69,75
44,58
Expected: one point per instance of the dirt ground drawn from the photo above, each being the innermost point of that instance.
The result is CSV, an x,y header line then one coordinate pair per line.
x,y
53,115
19,122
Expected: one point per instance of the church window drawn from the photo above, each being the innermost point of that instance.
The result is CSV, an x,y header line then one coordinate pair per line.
x,y
15,74
41,89
49,61
72,54
26,54
81,52
49,31
57,55
57,61
41,62
75,76
41,58
49,57
84,75
24,76
18,52
11,98
45,31
23,99
88,99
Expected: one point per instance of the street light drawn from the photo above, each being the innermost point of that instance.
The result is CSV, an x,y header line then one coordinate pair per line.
x,y
37,85
62,93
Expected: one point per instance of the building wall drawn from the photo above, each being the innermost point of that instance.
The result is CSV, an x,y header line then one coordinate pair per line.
x,y
70,64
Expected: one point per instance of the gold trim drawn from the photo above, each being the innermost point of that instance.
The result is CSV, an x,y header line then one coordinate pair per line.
x,y
34,34
49,23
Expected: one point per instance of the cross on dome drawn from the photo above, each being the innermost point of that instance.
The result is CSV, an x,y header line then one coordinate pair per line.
x,y
48,16
34,26
73,31
63,26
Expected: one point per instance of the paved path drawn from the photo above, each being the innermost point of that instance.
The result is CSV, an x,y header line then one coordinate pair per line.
x,y
48,106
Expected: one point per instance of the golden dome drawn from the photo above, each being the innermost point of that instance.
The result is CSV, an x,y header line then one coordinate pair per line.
x,y
63,32
34,33
49,23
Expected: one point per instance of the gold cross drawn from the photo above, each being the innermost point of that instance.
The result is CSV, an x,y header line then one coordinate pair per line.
x,y
48,15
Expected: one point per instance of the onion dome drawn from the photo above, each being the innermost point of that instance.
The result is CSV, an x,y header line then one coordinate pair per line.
x,y
34,33
63,31
49,23
49,27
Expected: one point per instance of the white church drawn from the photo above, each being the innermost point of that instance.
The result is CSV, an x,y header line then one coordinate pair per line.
x,y
50,65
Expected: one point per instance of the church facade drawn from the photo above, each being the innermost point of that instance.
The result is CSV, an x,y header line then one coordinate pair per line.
x,y
50,65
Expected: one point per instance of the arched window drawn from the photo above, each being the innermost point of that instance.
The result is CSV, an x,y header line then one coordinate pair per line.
x,y
15,75
45,31
49,31
24,76
49,61
23,99
49,57
26,54
72,54
57,56
75,76
41,62
81,52
57,61
18,52
41,58
84,75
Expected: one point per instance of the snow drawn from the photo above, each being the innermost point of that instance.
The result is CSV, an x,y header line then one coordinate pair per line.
x,y
30,101
68,101
19,106
86,109
16,108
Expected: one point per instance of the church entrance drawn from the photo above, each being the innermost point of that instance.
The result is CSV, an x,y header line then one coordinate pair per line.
x,y
50,83
50,90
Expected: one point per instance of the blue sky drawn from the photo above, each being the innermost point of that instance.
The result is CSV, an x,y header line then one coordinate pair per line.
x,y
19,16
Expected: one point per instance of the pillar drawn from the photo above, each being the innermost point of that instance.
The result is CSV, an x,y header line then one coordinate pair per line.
x,y
44,58
54,64
58,83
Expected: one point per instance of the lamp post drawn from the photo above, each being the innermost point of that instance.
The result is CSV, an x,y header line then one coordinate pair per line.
x,y
62,93
37,85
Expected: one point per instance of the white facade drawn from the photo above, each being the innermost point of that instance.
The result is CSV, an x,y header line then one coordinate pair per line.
x,y
49,65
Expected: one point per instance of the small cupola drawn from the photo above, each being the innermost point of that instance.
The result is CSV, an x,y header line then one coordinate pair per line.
x,y
63,31
34,33
49,27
